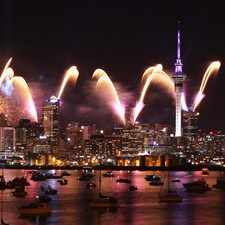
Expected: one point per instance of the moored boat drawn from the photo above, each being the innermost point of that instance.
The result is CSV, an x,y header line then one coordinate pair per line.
x,y
43,198
205,171
52,176
123,180
19,192
199,186
91,185
38,177
108,174
152,177
84,178
175,180
2,183
132,188
63,181
156,182
86,175
65,173
50,191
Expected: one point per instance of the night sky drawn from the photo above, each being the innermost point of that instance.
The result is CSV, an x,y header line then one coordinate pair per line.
x,y
45,39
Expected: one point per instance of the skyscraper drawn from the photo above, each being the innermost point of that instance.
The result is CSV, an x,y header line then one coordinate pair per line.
x,y
51,113
7,139
179,78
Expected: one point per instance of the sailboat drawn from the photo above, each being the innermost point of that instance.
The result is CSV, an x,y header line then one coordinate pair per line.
x,y
169,195
103,201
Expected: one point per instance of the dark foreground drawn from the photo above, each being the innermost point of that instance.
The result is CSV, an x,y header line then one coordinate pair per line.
x,y
140,207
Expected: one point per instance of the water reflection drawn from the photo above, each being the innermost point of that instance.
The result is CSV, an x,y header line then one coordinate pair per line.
x,y
141,207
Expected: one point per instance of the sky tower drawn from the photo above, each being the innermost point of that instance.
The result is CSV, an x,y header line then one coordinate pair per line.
x,y
179,78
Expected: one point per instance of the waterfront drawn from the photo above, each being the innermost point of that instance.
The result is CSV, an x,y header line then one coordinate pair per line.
x,y
141,207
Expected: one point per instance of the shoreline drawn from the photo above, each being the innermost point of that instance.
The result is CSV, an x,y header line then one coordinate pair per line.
x,y
131,168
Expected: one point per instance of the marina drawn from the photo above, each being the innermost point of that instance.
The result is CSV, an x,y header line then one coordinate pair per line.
x,y
72,203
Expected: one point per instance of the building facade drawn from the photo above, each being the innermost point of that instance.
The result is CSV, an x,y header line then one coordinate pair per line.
x,y
51,114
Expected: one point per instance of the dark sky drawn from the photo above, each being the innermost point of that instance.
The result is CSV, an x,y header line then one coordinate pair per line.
x,y
45,39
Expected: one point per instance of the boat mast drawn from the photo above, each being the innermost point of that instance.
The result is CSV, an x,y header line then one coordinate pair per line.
x,y
2,197
168,180
100,182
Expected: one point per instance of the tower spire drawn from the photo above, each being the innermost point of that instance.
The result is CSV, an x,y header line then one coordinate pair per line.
x,y
178,64
179,79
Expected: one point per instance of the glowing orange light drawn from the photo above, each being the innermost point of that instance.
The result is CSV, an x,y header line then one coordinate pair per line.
x,y
106,86
71,74
212,68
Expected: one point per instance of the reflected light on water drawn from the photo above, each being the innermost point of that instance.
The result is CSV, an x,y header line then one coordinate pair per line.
x,y
141,207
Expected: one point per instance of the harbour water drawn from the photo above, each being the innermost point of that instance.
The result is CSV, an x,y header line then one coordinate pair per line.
x,y
141,207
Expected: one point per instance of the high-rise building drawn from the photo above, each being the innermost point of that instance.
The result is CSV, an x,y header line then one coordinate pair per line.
x,y
3,120
27,134
190,123
73,134
179,78
11,109
51,113
86,132
7,139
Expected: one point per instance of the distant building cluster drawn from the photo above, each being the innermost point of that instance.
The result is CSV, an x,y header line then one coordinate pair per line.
x,y
48,143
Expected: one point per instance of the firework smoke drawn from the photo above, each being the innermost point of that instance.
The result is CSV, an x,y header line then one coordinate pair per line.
x,y
109,93
71,74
